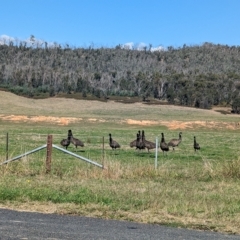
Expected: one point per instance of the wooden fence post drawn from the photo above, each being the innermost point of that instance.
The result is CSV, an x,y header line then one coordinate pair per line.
x,y
49,154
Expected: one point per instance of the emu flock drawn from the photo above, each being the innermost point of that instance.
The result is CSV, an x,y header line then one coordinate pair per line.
x,y
70,139
139,143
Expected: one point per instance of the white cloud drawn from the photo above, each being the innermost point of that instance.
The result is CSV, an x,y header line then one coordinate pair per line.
x,y
141,46
129,45
159,48
32,41
4,39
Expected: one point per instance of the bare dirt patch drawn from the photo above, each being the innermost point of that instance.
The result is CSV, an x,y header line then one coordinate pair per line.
x,y
35,119
174,125
171,125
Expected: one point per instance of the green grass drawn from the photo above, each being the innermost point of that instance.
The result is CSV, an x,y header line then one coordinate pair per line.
x,y
188,189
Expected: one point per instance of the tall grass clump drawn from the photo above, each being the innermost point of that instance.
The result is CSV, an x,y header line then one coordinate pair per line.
x,y
229,169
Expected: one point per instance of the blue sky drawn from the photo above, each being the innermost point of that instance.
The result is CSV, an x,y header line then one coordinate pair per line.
x,y
107,23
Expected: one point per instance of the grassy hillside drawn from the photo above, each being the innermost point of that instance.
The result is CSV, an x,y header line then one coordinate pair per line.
x,y
201,76
188,189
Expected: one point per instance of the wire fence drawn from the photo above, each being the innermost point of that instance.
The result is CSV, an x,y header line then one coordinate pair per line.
x,y
214,145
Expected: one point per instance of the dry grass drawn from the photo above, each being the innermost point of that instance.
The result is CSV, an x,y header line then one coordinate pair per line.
x,y
140,194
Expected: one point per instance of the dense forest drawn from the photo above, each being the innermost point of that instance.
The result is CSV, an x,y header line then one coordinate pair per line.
x,y
198,76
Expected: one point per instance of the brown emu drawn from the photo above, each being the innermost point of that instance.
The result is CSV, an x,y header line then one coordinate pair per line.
x,y
133,144
139,142
163,145
175,142
66,142
76,142
113,144
196,146
147,144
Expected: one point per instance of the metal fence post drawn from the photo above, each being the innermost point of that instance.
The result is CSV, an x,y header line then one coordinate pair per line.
x,y
156,153
103,152
49,154
7,146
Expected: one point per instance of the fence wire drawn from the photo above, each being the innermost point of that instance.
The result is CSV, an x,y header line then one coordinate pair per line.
x,y
215,146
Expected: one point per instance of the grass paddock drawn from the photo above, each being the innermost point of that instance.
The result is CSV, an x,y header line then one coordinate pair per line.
x,y
198,190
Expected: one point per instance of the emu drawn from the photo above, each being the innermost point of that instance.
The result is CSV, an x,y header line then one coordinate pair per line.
x,y
139,142
149,145
76,142
112,143
66,142
163,145
196,146
175,142
133,143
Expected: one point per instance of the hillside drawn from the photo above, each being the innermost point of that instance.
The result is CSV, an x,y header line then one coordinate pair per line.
x,y
62,111
201,76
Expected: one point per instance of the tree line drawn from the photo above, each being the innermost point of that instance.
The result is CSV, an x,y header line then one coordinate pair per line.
x,y
200,76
